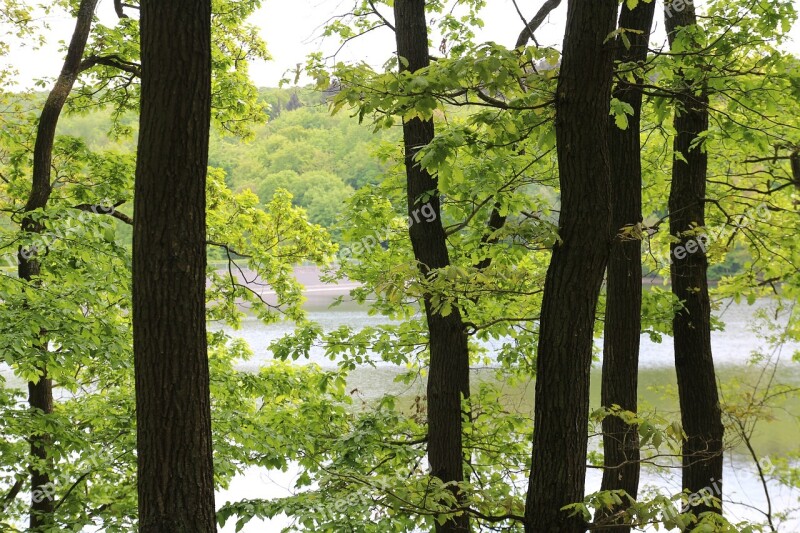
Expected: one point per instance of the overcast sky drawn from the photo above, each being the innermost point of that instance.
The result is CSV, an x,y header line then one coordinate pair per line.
x,y
292,30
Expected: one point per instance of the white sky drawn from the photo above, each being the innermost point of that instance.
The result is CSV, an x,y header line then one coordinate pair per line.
x,y
292,29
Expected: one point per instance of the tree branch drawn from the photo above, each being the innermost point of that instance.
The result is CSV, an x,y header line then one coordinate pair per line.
x,y
384,19
111,61
103,210
72,488
537,20
9,497
494,519
118,8
228,249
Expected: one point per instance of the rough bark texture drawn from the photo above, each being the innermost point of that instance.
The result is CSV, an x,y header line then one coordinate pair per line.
x,y
697,383
40,393
576,270
448,380
175,468
40,398
624,273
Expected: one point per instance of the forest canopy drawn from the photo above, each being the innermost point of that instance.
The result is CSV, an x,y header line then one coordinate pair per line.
x,y
470,286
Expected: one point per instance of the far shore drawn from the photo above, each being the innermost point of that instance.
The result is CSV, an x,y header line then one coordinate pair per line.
x,y
315,290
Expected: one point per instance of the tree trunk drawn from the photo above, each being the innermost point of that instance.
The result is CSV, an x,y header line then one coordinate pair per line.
x,y
794,162
573,281
175,466
40,393
697,383
448,380
624,279
40,398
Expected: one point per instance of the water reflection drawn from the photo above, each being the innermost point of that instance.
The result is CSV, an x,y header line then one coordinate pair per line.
x,y
732,351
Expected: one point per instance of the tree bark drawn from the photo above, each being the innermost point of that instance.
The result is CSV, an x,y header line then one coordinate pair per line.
x,y
448,379
697,383
573,280
624,274
174,447
40,393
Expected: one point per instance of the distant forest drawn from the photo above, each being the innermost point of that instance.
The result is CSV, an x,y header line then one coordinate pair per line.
x,y
320,159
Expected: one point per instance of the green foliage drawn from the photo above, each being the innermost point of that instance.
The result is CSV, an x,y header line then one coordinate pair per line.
x,y
276,194
320,159
271,241
80,309
73,322
493,151
112,57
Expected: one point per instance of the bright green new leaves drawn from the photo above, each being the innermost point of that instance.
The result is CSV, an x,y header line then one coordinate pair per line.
x,y
260,249
74,320
493,157
620,111
111,69
361,464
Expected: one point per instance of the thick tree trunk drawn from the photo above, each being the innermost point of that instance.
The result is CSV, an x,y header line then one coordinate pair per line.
x,y
697,383
40,393
624,277
448,379
175,467
573,281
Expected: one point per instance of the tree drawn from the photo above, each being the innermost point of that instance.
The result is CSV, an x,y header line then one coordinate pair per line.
x,y
697,384
624,279
40,391
575,274
77,309
448,380
175,464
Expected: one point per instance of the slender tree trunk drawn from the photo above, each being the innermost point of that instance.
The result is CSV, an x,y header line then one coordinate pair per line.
x,y
175,467
573,281
697,383
40,393
40,398
448,379
794,162
624,278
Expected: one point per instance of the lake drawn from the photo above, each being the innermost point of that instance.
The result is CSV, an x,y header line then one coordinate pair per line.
x,y
732,353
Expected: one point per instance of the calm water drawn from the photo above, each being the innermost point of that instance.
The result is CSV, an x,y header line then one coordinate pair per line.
x,y
732,352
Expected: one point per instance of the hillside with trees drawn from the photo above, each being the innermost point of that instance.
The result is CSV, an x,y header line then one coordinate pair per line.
x,y
320,159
